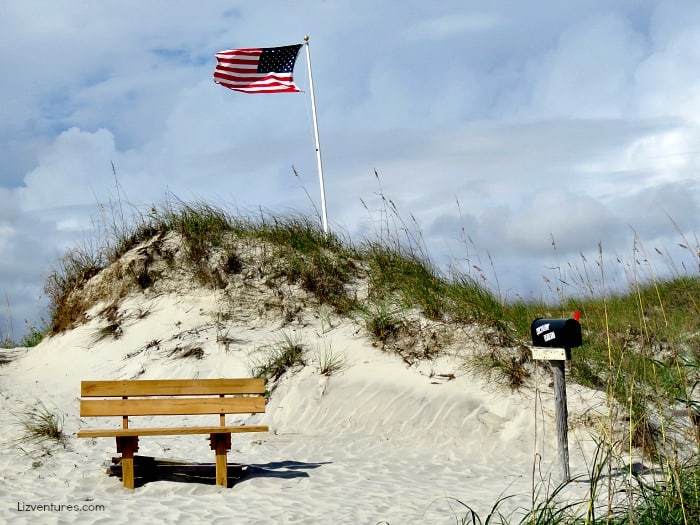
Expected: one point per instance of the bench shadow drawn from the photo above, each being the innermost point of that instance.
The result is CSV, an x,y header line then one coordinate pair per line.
x,y
283,469
148,469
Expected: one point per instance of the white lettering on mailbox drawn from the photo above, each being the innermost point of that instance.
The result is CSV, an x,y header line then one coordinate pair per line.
x,y
549,336
542,328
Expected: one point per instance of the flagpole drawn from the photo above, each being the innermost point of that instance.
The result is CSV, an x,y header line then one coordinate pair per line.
x,y
318,145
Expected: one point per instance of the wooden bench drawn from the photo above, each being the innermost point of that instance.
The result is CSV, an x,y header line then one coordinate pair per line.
x,y
171,397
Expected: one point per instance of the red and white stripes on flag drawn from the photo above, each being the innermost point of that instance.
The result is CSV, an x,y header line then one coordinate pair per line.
x,y
258,70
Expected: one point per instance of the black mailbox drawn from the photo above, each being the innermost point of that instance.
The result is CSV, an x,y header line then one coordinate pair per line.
x,y
556,333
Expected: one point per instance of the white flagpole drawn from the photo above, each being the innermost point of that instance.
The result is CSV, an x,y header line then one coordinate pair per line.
x,y
318,145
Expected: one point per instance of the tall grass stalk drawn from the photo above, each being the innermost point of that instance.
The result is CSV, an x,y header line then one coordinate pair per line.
x,y
7,340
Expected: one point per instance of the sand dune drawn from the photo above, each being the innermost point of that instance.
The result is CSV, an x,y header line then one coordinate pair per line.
x,y
377,441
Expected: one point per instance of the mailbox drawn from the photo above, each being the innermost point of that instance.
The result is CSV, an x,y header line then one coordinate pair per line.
x,y
556,333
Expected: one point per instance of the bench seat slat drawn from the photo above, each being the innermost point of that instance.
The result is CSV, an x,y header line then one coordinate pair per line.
x,y
169,431
171,387
170,407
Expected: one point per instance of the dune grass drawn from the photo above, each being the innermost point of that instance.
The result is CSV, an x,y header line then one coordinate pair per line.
x,y
41,424
649,332
672,503
278,358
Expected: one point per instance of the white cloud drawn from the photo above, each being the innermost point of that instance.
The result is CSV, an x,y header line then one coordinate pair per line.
x,y
441,27
590,72
7,233
667,80
74,168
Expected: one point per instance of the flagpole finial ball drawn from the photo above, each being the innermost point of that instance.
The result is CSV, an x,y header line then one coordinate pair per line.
x,y
306,38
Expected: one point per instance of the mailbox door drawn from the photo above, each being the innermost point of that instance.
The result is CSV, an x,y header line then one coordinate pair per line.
x,y
556,333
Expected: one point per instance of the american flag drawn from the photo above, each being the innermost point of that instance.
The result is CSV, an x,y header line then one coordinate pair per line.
x,y
258,69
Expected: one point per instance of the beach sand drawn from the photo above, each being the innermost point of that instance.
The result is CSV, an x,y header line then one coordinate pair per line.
x,y
378,441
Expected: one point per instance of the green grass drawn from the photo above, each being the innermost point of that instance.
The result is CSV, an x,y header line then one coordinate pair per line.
x,y
32,337
329,362
674,503
42,424
277,359
383,321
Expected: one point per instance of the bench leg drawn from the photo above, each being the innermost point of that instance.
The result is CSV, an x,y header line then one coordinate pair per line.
x,y
126,446
221,443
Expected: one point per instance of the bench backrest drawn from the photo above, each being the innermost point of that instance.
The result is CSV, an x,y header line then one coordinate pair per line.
x,y
162,397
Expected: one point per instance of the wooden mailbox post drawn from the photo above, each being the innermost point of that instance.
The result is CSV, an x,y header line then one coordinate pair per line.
x,y
552,340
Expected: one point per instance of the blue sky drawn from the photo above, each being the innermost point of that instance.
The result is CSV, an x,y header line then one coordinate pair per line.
x,y
521,136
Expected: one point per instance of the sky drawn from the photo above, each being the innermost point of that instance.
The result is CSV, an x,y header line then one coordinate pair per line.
x,y
541,147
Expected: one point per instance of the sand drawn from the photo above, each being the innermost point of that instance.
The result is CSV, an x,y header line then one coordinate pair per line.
x,y
378,441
